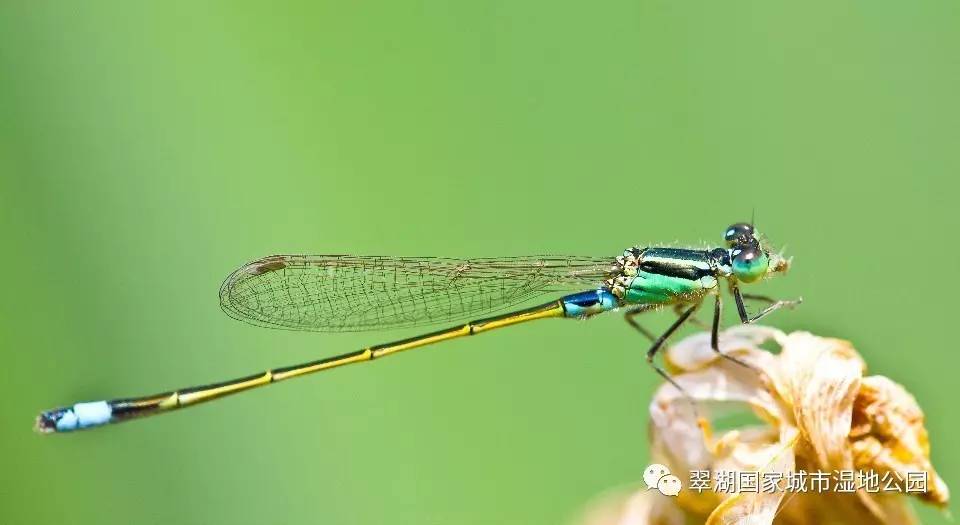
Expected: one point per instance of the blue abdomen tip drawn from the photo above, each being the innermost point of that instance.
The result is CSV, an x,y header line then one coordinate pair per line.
x,y
79,416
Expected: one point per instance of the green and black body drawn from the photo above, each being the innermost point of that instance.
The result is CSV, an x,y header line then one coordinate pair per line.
x,y
338,293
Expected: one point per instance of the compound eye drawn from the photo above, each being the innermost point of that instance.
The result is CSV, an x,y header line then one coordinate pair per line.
x,y
749,263
735,232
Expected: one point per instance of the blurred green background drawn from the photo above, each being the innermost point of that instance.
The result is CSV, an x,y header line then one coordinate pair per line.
x,y
146,151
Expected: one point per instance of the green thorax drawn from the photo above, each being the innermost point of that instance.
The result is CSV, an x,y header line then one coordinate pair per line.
x,y
664,275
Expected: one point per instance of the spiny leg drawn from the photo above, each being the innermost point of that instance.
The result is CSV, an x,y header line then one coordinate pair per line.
x,y
715,335
633,312
771,301
680,307
742,310
757,297
773,307
652,352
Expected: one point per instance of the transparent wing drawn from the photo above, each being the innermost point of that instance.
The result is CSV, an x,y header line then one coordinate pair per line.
x,y
349,293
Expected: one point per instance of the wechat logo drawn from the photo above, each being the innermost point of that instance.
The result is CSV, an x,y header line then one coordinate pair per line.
x,y
657,476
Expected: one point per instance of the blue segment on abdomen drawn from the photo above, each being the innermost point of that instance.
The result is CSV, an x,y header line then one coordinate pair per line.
x,y
83,415
585,304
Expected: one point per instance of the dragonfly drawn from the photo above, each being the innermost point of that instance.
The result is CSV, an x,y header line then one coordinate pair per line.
x,y
348,293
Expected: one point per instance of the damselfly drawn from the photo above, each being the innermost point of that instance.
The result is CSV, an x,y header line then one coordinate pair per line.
x,y
344,293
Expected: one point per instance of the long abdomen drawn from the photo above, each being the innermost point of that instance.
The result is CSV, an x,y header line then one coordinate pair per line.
x,y
97,413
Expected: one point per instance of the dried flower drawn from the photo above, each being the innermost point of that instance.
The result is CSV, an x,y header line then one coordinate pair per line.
x,y
818,416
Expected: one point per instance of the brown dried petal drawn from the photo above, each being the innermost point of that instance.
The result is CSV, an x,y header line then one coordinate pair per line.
x,y
758,508
888,435
818,379
819,413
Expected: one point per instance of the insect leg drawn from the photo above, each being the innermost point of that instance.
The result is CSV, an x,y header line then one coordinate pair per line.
x,y
633,312
755,297
775,305
652,352
679,308
715,335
